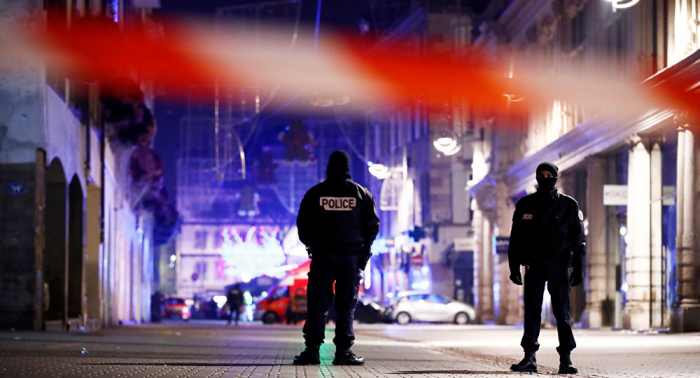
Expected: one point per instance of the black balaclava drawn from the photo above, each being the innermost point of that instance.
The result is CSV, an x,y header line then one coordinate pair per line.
x,y
338,165
546,185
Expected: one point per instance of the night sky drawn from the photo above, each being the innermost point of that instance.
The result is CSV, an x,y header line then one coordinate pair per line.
x,y
335,14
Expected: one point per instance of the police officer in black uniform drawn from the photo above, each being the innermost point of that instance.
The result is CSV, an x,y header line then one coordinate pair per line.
x,y
548,238
337,222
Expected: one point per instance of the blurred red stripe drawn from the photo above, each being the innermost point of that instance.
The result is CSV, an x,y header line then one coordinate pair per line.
x,y
439,78
98,50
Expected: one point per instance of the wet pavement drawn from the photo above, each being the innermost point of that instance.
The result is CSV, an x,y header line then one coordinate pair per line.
x,y
212,349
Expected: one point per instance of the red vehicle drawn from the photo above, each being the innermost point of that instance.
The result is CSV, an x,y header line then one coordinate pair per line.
x,y
285,298
176,307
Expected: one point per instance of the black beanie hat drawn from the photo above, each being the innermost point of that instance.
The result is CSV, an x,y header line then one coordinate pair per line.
x,y
338,164
549,167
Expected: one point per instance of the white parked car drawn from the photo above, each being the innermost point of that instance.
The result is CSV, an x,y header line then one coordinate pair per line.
x,y
414,306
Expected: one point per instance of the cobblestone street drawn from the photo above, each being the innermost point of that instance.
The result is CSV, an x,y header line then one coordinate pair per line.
x,y
215,350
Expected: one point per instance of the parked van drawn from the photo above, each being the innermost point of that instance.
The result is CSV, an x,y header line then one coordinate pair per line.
x,y
286,301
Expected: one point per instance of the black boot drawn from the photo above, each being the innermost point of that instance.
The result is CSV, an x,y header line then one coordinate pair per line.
x,y
527,365
565,366
309,356
347,357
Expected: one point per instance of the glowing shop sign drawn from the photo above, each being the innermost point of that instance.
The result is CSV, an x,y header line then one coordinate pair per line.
x,y
260,253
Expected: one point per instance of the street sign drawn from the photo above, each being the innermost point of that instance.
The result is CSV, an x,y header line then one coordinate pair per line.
x,y
615,195
464,244
417,260
16,188
668,195
502,245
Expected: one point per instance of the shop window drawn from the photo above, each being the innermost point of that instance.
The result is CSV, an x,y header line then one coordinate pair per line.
x,y
200,239
201,270
218,240
578,28
56,18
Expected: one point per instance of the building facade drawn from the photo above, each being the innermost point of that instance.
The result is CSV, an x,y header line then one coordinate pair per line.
x,y
236,215
78,242
419,163
634,177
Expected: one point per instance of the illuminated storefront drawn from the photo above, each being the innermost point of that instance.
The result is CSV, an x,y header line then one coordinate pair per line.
x,y
213,257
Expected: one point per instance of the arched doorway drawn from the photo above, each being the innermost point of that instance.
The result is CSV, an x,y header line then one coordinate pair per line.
x,y
56,245
76,243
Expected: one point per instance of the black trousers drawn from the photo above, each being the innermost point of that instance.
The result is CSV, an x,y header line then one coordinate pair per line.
x,y
557,280
344,270
234,308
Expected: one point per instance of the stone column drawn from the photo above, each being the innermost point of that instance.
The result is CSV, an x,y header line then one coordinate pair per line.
x,y
612,307
656,263
596,256
685,316
476,269
637,262
484,266
93,263
510,304
39,239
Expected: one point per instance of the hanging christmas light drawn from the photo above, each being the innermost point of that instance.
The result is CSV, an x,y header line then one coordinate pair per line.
x,y
622,4
256,255
379,171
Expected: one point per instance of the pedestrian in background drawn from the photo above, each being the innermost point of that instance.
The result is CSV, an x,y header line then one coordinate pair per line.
x,y
157,301
548,239
234,301
337,222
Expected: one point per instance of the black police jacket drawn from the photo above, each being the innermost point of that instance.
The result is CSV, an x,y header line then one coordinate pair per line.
x,y
234,297
338,213
547,227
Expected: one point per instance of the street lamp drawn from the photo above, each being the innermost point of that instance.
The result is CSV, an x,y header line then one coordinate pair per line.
x,y
447,145
622,4
377,170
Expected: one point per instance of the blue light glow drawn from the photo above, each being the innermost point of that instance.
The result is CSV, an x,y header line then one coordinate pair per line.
x,y
113,6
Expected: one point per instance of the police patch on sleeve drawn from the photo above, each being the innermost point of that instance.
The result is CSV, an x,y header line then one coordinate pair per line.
x,y
527,216
580,215
338,203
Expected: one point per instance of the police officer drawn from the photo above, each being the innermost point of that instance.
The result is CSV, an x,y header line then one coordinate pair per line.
x,y
337,222
234,300
548,238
